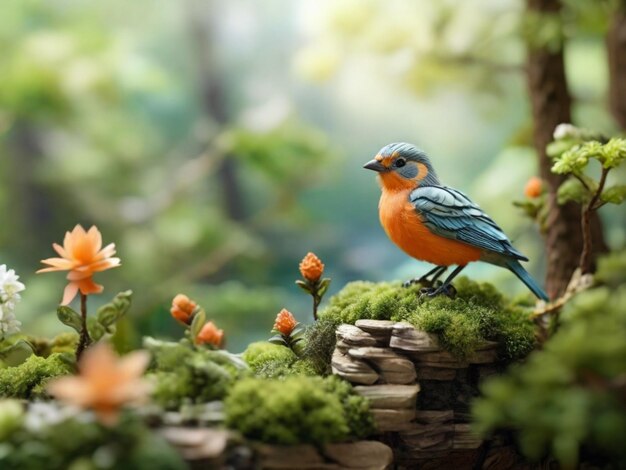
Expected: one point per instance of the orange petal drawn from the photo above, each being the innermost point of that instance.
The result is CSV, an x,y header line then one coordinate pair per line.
x,y
99,359
95,238
134,364
60,250
87,286
72,389
107,251
60,263
69,293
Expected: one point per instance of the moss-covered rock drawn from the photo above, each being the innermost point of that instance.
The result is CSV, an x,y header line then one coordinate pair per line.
x,y
297,410
479,312
270,361
29,379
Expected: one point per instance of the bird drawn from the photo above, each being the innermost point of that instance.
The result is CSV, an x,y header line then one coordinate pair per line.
x,y
438,224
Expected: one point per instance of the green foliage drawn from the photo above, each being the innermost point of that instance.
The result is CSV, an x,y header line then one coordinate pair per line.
x,y
28,380
612,269
78,443
567,399
610,155
183,374
61,343
297,410
478,313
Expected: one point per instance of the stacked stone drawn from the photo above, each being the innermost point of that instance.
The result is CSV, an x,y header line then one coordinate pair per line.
x,y
418,391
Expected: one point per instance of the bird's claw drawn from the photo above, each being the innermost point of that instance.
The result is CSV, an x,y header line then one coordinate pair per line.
x,y
449,291
422,281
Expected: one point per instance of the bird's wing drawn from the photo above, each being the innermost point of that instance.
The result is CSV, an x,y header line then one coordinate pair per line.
x,y
451,214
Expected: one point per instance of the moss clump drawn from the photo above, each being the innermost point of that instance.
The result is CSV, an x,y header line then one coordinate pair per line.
x,y
567,399
297,410
320,340
186,375
270,361
28,380
479,312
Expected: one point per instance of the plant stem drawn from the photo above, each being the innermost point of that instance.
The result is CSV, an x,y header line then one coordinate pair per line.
x,y
84,340
585,256
316,302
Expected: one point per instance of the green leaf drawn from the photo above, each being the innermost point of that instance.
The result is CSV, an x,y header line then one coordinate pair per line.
x,y
614,194
572,190
323,287
199,319
96,329
110,313
304,286
278,339
16,353
69,317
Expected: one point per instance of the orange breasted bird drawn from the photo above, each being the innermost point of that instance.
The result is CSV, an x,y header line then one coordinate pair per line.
x,y
432,222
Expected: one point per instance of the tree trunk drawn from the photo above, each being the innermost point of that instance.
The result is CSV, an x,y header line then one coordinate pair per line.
x,y
551,105
616,51
202,25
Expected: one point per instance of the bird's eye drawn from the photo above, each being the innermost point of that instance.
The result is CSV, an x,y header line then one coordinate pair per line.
x,y
400,162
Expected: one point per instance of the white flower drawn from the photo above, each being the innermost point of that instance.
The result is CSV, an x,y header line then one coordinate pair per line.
x,y
9,296
9,285
564,130
8,323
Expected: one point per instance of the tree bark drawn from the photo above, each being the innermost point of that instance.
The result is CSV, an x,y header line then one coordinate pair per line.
x,y
202,26
616,52
551,105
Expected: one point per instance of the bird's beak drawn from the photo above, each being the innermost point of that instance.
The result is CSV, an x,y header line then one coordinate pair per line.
x,y
375,165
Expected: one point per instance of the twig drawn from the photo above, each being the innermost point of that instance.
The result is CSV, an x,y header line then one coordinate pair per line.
x,y
585,256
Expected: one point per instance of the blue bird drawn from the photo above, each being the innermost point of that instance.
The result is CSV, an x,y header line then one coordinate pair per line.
x,y
432,222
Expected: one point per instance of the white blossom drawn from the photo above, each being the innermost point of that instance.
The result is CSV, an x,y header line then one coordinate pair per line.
x,y
564,130
10,288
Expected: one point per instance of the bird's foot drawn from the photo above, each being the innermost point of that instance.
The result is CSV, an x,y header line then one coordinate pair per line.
x,y
422,281
447,290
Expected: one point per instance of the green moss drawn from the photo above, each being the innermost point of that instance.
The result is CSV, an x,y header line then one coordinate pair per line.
x,y
479,312
566,399
185,375
267,360
297,410
28,380
319,340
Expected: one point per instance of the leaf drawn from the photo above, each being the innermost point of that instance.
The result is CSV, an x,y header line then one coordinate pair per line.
x,y
614,194
96,329
304,286
572,190
323,287
69,317
278,339
199,319
16,353
110,313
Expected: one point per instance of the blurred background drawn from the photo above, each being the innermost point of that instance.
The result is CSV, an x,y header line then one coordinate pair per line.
x,y
216,142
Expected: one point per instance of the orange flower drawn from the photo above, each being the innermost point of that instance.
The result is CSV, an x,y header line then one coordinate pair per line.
x,y
285,322
533,187
210,334
311,267
183,308
105,382
82,255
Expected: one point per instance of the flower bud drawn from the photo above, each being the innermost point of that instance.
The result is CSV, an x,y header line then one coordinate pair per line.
x,y
285,322
210,334
311,267
533,187
183,308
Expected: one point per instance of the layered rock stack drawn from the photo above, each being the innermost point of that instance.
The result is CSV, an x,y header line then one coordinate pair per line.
x,y
419,393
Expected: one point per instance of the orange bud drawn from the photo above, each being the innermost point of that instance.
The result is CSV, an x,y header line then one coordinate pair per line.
x,y
533,187
183,308
285,322
311,267
210,334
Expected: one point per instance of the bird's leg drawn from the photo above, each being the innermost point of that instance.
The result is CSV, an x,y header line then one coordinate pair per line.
x,y
436,272
446,288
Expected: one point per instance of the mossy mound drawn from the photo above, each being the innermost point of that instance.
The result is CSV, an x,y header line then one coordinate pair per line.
x,y
297,410
267,360
29,379
186,375
478,313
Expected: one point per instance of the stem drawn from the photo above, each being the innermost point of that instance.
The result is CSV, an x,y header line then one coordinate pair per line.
x,y
316,302
84,340
585,256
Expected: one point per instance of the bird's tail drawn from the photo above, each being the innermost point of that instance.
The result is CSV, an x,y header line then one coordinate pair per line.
x,y
523,276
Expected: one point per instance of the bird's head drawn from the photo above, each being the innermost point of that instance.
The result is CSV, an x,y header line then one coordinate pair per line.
x,y
402,166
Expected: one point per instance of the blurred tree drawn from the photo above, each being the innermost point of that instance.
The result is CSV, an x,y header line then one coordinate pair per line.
x,y
616,48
